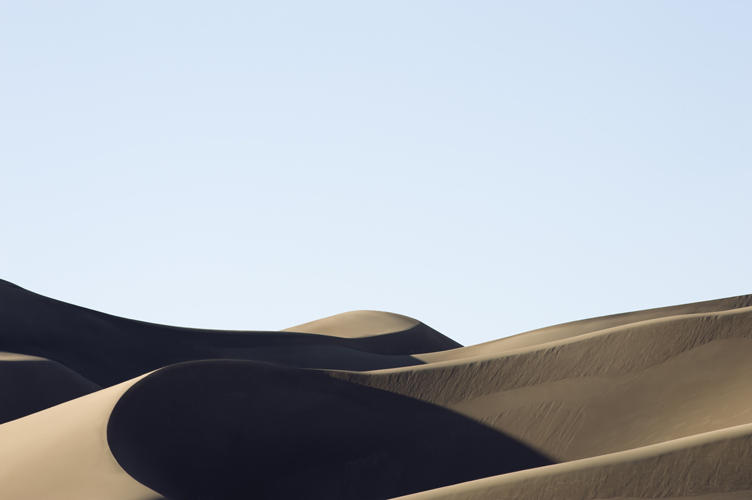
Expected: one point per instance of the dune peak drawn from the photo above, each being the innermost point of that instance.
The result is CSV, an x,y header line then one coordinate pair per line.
x,y
356,324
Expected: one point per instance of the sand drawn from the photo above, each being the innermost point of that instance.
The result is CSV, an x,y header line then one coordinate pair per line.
x,y
374,405
356,324
29,384
223,428
712,464
62,453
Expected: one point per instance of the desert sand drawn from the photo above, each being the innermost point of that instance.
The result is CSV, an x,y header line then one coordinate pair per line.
x,y
374,405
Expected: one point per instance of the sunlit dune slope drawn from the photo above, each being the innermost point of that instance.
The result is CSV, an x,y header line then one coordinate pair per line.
x,y
357,324
62,454
712,466
602,392
585,326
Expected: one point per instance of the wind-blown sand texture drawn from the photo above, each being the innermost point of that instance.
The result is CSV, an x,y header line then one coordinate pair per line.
x,y
372,405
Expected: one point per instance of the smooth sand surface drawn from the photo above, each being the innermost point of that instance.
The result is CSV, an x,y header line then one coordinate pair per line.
x,y
357,324
14,356
373,405
62,454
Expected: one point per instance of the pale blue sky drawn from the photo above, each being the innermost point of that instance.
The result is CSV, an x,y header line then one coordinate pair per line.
x,y
485,167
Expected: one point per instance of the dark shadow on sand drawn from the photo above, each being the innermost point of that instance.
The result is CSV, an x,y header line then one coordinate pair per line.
x,y
27,387
239,429
107,349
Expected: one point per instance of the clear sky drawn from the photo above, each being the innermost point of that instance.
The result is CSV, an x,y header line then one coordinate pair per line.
x,y
485,167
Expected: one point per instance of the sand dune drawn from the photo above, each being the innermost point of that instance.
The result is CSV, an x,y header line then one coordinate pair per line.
x,y
713,465
108,350
373,405
219,429
575,328
62,454
357,324
29,384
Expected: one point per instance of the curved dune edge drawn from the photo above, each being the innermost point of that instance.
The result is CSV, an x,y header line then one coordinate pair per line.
x,y
568,331
599,393
14,356
355,324
614,351
62,454
226,429
108,350
713,463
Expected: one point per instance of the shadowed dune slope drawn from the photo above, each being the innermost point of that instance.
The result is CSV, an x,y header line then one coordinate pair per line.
x,y
107,349
232,429
29,384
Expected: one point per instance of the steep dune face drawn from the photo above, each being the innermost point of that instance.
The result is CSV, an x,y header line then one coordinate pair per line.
x,y
374,405
62,454
220,429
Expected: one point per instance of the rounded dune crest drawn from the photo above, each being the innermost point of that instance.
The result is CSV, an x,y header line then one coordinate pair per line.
x,y
356,324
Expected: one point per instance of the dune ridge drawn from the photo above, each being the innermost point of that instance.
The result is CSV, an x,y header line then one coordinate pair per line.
x,y
612,351
356,324
108,350
372,405
581,327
